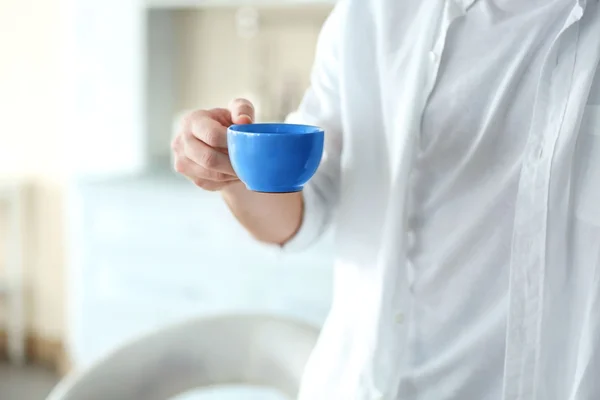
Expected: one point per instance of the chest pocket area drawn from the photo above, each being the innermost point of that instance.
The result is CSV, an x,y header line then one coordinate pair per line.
x,y
588,154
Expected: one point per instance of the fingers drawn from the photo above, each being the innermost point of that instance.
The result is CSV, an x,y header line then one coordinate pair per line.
x,y
206,156
209,131
206,179
242,111
197,173
200,147
208,126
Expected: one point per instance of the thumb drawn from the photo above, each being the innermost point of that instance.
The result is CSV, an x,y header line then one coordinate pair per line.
x,y
242,111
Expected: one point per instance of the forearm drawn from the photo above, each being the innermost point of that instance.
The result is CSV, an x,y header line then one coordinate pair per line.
x,y
270,218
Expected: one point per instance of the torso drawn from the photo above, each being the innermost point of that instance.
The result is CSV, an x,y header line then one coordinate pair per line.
x,y
517,196
465,181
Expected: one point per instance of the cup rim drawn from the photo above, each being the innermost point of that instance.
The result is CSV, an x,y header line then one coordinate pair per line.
x,y
296,129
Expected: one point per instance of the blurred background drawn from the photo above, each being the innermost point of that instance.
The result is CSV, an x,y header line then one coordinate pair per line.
x,y
99,240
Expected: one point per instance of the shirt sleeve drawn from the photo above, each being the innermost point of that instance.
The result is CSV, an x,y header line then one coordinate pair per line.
x,y
321,106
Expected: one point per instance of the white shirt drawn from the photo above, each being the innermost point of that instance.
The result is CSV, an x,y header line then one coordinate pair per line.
x,y
463,190
377,65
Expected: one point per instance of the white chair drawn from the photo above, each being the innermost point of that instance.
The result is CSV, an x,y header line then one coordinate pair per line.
x,y
260,351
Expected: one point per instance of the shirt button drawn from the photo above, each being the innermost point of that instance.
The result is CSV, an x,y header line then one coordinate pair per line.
x,y
433,57
399,318
412,240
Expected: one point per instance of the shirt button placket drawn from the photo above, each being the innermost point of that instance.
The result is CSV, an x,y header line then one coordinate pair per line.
x,y
540,152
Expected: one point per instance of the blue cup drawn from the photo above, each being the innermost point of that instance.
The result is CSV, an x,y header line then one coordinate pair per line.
x,y
275,158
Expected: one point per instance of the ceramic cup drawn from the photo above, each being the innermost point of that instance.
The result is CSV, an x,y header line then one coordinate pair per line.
x,y
275,158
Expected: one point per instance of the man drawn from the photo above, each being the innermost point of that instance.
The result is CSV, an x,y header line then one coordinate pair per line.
x,y
462,174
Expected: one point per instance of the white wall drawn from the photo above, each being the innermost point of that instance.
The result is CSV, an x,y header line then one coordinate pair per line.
x,y
30,87
108,56
32,144
71,103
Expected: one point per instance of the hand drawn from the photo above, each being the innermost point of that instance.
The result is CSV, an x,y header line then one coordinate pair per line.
x,y
201,145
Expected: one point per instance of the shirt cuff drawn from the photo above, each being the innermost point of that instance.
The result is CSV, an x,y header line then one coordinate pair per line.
x,y
313,219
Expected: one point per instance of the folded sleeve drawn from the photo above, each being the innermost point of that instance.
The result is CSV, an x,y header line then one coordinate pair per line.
x,y
321,106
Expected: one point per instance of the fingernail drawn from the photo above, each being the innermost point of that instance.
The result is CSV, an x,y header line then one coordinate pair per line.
x,y
249,118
